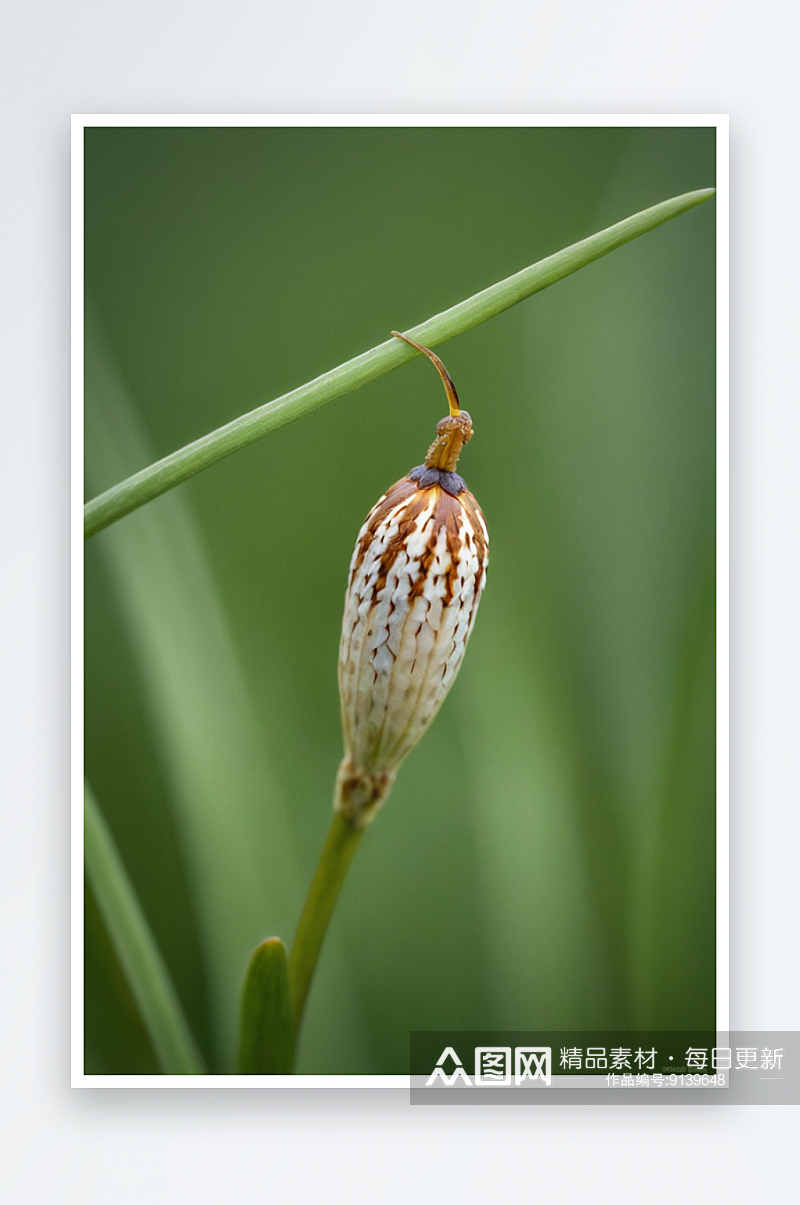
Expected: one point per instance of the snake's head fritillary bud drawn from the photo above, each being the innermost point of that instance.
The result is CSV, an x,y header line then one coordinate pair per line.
x,y
415,582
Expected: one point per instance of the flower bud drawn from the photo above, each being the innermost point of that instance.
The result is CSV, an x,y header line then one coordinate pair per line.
x,y
415,582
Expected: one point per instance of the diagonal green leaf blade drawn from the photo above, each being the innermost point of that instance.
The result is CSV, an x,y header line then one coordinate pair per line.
x,y
139,956
165,474
266,1044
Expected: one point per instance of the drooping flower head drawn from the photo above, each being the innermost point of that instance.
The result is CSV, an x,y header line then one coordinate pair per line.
x,y
416,577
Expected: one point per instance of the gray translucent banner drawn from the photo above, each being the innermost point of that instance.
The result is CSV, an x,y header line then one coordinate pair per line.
x,y
744,1068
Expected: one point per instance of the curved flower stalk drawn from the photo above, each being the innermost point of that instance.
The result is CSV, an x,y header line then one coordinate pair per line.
x,y
416,578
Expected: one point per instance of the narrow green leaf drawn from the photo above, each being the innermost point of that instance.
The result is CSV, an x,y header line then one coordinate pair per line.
x,y
266,1045
138,954
165,474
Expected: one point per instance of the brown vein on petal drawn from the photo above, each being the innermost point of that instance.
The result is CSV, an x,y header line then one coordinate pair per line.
x,y
474,517
406,527
452,513
425,562
408,523
400,490
413,702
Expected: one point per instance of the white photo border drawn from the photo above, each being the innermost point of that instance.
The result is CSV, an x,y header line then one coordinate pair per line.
x,y
79,123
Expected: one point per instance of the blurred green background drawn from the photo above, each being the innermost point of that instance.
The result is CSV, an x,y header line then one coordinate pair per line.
x,y
547,856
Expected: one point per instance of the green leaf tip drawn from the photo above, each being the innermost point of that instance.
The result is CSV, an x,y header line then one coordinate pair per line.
x,y
165,474
139,956
266,1045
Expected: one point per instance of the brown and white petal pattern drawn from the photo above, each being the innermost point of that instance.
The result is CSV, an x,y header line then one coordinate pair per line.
x,y
416,578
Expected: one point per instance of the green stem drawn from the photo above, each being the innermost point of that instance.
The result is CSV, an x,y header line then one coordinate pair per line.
x,y
136,949
266,1041
165,474
337,854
